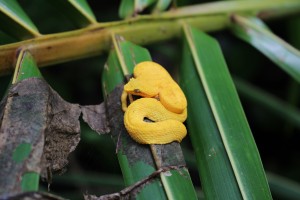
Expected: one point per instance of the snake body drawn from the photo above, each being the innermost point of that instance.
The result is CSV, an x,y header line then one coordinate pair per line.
x,y
163,103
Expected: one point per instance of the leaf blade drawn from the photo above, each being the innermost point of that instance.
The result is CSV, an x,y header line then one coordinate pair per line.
x,y
130,8
132,169
273,104
161,5
217,177
178,181
15,21
256,33
78,11
84,8
228,114
26,67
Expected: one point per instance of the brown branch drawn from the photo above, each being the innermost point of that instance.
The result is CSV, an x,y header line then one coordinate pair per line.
x,y
96,39
132,190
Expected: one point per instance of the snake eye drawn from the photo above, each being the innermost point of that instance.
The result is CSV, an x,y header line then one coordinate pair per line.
x,y
136,91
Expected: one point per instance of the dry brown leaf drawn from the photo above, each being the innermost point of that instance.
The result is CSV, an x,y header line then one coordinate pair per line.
x,y
33,114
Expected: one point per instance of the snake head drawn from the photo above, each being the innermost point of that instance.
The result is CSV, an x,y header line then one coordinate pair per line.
x,y
139,88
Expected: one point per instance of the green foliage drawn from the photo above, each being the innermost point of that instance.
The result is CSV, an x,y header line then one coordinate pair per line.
x,y
122,60
15,21
228,116
257,34
227,158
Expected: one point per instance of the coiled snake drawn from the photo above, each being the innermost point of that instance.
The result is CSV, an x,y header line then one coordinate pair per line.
x,y
162,102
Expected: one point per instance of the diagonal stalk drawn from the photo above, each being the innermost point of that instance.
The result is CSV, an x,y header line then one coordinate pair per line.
x,y
96,39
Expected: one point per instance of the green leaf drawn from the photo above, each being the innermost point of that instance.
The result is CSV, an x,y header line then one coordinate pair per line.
x,y
21,152
217,178
176,182
84,8
129,54
129,8
26,67
268,101
30,181
228,115
112,74
55,48
254,32
78,11
178,185
133,171
283,188
161,5
140,5
14,20
265,8
126,9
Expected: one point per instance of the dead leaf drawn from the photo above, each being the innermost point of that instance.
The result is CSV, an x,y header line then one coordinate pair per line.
x,y
33,115
23,121
95,117
62,133
33,196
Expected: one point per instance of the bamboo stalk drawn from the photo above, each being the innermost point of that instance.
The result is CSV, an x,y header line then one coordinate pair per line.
x,y
96,39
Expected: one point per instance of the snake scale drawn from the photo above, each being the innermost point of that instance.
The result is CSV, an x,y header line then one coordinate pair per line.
x,y
162,102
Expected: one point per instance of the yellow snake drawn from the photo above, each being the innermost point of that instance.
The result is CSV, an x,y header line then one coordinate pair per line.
x,y
163,103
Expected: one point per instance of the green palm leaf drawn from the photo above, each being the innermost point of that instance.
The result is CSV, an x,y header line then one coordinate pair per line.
x,y
256,33
132,167
178,182
15,21
133,7
271,103
78,11
227,157
25,68
228,115
162,5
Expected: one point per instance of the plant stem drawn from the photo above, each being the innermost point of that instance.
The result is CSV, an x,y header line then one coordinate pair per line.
x,y
146,29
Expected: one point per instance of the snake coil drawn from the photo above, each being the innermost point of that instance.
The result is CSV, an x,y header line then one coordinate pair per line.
x,y
162,102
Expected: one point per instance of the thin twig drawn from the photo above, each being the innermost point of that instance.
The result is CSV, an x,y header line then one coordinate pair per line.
x,y
133,189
